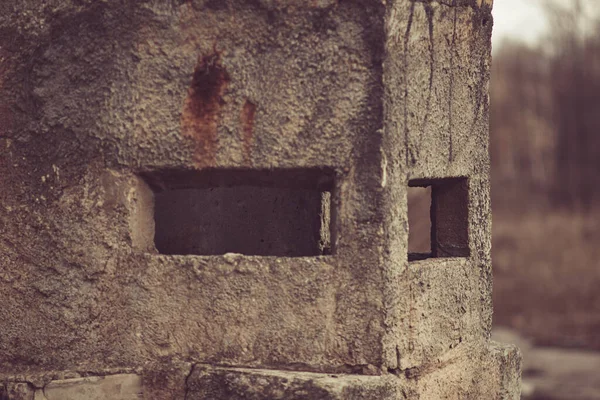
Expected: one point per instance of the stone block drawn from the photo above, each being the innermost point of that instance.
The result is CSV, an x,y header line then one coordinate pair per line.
x,y
17,391
237,384
113,387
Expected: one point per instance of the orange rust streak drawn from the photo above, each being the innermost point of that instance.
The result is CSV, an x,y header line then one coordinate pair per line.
x,y
247,125
202,109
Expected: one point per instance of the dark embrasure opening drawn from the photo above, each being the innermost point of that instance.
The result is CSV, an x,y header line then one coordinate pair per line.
x,y
285,212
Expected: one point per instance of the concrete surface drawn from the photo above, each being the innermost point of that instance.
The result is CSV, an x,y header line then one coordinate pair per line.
x,y
111,387
97,96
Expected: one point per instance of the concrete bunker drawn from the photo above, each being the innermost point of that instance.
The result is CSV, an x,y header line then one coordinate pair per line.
x,y
447,219
280,130
283,212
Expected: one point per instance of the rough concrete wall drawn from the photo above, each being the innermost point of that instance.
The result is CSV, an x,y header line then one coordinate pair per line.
x,y
95,96
436,76
100,92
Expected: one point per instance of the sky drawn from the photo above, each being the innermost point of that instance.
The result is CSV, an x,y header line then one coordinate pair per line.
x,y
525,20
518,19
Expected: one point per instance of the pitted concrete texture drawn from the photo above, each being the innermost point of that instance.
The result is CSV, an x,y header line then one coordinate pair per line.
x,y
124,90
106,105
17,391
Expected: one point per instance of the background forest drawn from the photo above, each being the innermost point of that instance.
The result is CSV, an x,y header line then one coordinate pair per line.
x,y
545,149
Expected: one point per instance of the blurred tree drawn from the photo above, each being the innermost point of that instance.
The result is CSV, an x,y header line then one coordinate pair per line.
x,y
575,84
545,145
521,132
545,115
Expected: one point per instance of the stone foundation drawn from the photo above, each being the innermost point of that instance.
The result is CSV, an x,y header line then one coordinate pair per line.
x,y
497,377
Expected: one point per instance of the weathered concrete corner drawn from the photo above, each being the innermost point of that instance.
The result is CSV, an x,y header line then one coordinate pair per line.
x,y
208,199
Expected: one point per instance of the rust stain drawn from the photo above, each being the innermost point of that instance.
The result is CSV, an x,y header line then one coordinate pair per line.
x,y
202,108
247,127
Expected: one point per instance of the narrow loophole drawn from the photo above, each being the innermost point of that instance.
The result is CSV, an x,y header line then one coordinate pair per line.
x,y
438,217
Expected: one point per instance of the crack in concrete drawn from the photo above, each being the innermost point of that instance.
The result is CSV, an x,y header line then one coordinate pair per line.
x,y
186,382
430,13
405,73
451,88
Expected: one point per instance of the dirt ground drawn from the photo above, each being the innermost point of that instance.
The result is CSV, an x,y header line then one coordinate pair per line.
x,y
546,276
552,373
546,279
